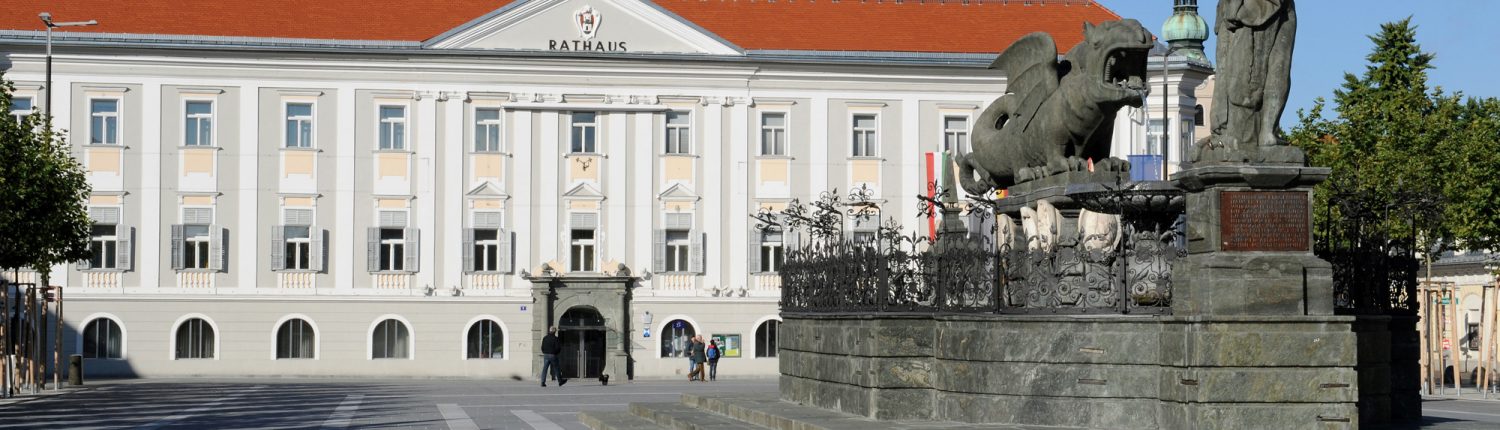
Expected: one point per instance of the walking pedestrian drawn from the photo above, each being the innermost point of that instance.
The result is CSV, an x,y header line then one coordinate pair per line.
x,y
699,359
550,348
713,360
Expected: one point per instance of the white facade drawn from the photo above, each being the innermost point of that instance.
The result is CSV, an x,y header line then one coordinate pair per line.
x,y
258,191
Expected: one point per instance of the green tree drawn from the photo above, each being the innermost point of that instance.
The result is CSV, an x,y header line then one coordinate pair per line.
x,y
1393,137
43,220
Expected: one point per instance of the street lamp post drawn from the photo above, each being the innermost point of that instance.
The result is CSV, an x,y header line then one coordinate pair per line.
x,y
47,20
1166,122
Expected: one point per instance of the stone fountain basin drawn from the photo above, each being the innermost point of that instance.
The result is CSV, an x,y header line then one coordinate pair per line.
x,y
1135,198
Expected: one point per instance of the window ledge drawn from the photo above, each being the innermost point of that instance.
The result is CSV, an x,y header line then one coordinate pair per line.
x,y
775,157
213,147
299,149
857,158
676,155
391,151
103,270
502,153
585,154
104,145
393,272
487,272
296,271
197,271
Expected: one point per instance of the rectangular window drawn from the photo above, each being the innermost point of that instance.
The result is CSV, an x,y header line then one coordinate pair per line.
x,y
487,130
299,124
773,134
679,129
20,107
195,252
1155,136
1187,136
199,123
298,247
678,246
772,250
104,122
865,144
583,251
585,132
103,241
486,250
956,134
393,127
392,249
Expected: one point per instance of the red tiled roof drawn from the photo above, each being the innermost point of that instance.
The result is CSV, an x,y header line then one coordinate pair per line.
x,y
848,25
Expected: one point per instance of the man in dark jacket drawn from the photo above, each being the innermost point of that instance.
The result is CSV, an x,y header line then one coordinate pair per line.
x,y
699,359
550,348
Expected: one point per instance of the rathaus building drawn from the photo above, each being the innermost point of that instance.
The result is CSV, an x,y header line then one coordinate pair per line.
x,y
419,188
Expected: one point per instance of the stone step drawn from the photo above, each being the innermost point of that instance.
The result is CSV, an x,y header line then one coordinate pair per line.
x,y
616,420
678,416
768,411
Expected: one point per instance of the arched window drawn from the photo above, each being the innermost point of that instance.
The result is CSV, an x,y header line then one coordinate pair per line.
x,y
676,339
486,340
1198,115
102,339
390,339
765,338
296,339
195,339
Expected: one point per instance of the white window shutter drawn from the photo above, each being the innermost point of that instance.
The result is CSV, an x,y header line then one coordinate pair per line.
x,y
372,249
177,247
695,252
123,249
506,265
217,257
755,236
469,251
278,247
317,250
659,251
413,242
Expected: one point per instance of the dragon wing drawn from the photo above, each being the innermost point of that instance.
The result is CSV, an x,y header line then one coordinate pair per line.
x,y
1032,73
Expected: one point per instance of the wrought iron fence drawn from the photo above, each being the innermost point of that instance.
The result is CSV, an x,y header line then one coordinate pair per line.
x,y
1127,270
1371,240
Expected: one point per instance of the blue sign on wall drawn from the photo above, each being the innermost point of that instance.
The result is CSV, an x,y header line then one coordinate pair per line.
x,y
678,324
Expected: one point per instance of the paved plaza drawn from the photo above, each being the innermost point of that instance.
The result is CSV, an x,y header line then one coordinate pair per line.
x,y
421,404
302,404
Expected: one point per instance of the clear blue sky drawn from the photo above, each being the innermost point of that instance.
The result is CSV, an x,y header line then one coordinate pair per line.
x,y
1332,39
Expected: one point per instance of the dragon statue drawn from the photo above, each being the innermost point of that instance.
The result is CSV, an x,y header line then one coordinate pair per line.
x,y
1056,116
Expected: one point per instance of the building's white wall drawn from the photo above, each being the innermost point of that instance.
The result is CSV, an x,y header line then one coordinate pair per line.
x,y
726,101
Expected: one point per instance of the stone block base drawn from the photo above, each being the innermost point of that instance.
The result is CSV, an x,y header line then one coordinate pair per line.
x,y
1079,371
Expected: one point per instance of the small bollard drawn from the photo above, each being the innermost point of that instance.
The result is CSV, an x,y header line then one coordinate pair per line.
x,y
604,379
75,370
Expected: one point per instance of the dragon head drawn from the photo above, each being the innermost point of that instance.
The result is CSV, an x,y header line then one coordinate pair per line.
x,y
1115,53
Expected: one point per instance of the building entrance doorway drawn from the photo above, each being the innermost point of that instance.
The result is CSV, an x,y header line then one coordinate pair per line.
x,y
582,335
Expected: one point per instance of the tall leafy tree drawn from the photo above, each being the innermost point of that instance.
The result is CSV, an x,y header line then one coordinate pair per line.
x,y
1392,138
43,220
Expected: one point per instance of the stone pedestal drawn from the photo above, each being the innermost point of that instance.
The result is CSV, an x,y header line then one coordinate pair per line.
x,y
1260,346
1250,242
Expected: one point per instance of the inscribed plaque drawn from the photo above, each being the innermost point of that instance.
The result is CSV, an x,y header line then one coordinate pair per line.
x,y
1263,221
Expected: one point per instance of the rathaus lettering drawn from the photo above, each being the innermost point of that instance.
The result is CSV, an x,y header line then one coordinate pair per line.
x,y
585,45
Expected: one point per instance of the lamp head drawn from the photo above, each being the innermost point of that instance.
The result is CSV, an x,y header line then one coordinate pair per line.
x,y
46,18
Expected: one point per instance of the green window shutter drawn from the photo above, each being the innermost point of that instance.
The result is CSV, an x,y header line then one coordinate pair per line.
x,y
218,258
124,249
468,252
506,254
412,250
696,252
372,249
659,251
278,247
177,247
318,250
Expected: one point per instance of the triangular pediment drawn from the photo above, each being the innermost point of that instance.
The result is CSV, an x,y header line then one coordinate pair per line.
x,y
584,27
584,191
487,189
678,192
